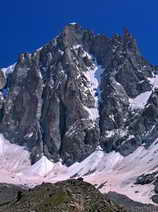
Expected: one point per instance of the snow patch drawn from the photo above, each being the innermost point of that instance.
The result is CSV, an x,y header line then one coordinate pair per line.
x,y
140,101
40,75
93,112
86,54
73,23
76,46
8,70
61,52
154,81
39,49
93,75
116,132
29,135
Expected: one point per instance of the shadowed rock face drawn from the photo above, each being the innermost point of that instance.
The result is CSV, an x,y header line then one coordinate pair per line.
x,y
66,196
9,194
51,104
2,80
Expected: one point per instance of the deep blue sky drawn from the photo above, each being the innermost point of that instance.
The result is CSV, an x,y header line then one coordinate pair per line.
x,y
27,24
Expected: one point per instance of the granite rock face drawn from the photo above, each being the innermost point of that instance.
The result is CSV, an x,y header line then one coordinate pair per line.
x,y
79,91
47,108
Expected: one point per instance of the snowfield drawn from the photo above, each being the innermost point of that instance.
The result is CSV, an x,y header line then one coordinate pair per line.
x,y
109,171
141,100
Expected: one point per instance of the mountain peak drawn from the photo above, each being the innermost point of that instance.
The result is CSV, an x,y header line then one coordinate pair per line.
x,y
72,26
78,92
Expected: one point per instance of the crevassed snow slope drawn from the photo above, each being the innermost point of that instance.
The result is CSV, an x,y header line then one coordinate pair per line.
x,y
111,170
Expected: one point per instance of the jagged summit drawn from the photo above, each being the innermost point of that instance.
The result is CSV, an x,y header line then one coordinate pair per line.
x,y
72,27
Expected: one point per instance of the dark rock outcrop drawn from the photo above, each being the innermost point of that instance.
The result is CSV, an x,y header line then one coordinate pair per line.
x,y
155,199
145,179
9,194
150,178
128,204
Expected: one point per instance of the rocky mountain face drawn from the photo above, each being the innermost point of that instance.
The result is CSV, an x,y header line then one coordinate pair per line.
x,y
77,92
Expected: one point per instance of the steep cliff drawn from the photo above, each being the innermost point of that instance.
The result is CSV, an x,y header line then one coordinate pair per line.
x,y
77,92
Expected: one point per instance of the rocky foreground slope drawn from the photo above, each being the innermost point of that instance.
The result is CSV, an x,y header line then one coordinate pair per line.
x,y
66,196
